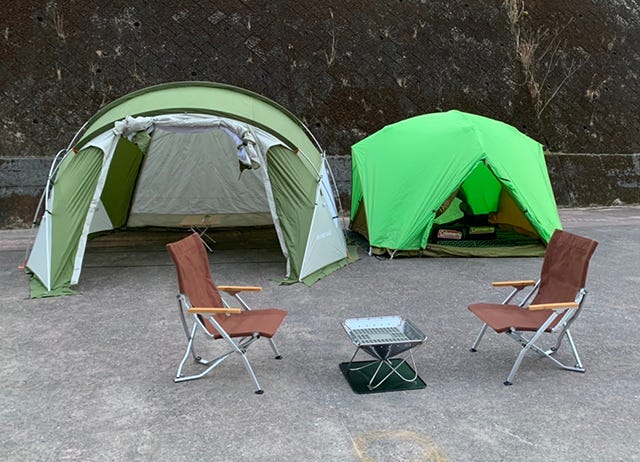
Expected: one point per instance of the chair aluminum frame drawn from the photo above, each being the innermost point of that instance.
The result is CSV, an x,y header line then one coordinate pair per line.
x,y
529,343
239,346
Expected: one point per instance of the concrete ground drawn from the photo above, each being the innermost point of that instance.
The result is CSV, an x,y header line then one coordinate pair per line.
x,y
90,377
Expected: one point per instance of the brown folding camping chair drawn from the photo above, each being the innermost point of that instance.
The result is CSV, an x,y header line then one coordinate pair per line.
x,y
555,304
200,297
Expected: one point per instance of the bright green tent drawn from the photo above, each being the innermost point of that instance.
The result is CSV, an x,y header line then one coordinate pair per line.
x,y
189,155
406,173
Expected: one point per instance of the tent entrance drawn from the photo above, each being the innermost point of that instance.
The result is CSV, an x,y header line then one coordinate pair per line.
x,y
192,179
483,220
480,219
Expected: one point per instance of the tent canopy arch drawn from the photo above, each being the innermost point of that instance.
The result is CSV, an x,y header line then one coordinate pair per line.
x,y
159,167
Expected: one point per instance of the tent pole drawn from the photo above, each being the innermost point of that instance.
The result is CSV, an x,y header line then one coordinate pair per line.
x,y
44,199
336,194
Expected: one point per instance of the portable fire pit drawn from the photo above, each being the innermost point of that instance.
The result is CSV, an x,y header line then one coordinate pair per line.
x,y
383,338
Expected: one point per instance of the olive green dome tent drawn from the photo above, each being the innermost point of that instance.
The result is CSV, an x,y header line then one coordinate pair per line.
x,y
452,183
188,154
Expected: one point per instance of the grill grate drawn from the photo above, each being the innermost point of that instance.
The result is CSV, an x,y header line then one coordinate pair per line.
x,y
378,335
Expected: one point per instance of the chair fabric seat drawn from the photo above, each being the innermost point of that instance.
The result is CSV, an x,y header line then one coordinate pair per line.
x,y
503,317
263,321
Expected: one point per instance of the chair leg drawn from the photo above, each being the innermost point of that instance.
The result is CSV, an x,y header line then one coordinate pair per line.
x,y
516,365
549,354
275,349
575,351
578,367
247,365
530,344
187,351
239,347
189,333
474,347
212,365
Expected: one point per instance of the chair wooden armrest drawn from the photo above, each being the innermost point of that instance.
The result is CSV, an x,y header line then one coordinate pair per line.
x,y
553,306
201,310
235,289
524,283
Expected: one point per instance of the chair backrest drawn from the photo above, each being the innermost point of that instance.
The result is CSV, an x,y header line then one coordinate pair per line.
x,y
565,267
194,275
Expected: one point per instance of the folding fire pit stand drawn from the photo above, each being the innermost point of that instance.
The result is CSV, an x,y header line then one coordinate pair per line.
x,y
383,338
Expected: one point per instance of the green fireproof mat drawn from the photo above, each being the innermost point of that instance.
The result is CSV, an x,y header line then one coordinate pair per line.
x,y
360,379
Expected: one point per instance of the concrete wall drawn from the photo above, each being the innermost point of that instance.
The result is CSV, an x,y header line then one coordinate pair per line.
x,y
22,181
565,73
595,179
